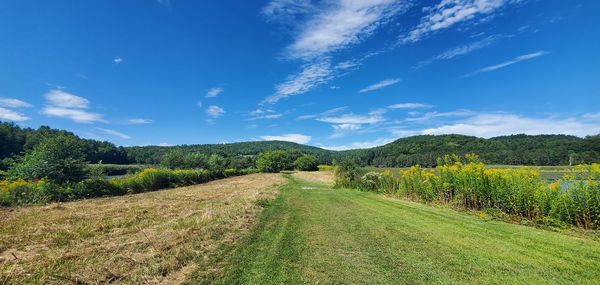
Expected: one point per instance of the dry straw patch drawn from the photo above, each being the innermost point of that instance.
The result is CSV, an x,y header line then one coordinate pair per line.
x,y
325,177
158,237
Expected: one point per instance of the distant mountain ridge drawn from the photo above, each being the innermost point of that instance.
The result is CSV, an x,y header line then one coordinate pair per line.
x,y
424,149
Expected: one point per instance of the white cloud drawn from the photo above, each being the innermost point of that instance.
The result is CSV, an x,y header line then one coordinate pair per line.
x,y
260,114
311,76
10,115
352,119
507,63
66,105
13,103
140,121
488,125
325,113
79,116
380,85
408,106
214,111
114,133
214,92
458,51
283,10
359,145
117,60
341,24
451,12
63,99
199,104
297,138
430,116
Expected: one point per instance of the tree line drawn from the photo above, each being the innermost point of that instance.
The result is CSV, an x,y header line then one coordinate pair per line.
x,y
422,150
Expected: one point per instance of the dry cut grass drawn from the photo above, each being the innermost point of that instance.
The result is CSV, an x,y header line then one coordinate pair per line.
x,y
325,177
161,237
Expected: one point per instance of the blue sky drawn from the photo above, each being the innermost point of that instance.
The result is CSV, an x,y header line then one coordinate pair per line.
x,y
336,74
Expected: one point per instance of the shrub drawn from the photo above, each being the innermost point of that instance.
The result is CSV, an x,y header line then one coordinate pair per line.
x,y
307,163
347,174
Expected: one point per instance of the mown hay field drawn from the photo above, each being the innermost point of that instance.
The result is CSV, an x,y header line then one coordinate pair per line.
x,y
158,237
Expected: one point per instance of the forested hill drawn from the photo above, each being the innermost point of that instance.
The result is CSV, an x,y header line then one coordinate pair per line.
x,y
153,154
423,150
15,141
514,150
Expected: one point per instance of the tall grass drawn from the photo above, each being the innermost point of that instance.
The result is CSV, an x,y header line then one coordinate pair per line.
x,y
468,183
21,192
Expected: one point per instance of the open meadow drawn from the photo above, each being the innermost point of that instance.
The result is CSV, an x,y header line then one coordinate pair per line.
x,y
282,229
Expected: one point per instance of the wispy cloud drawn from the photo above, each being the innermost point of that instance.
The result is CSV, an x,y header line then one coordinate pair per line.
x,y
60,98
260,114
339,24
351,123
14,103
287,10
507,63
458,51
140,121
409,106
114,133
380,85
297,138
322,114
10,115
497,124
214,111
451,12
431,116
117,60
214,92
78,116
360,145
311,76
352,119
70,106
326,28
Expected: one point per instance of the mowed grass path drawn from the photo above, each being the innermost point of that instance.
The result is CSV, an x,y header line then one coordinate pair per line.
x,y
314,234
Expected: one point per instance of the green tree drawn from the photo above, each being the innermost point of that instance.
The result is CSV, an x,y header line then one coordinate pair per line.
x,y
307,163
196,160
59,159
173,159
216,163
272,161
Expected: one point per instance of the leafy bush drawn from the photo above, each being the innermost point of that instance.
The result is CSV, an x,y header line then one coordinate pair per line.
x,y
307,163
347,174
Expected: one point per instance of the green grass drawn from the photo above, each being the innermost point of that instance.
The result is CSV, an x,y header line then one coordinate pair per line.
x,y
325,236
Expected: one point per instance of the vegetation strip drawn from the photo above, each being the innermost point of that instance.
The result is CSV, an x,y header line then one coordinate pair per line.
x,y
340,236
468,183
